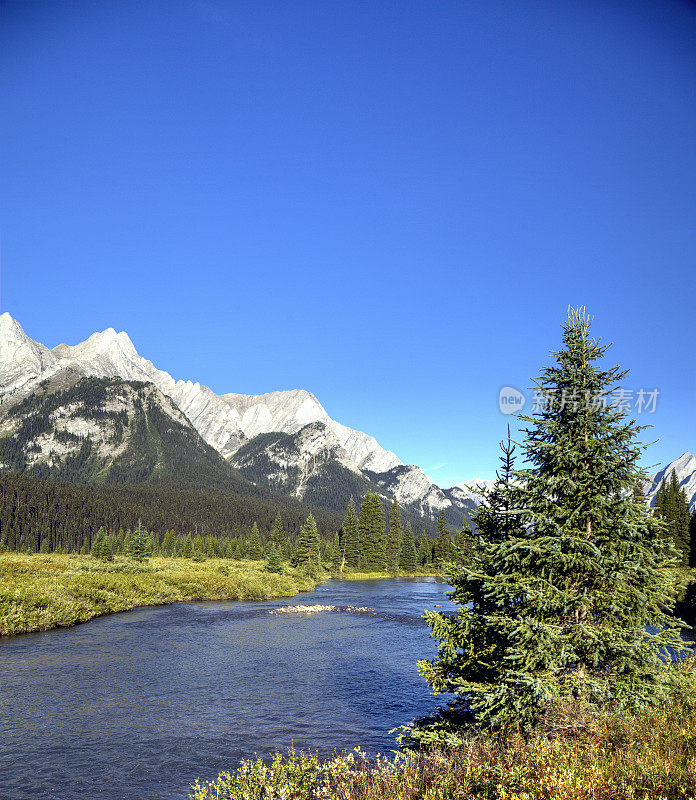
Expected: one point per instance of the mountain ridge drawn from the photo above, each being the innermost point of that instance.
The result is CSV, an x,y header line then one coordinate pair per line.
x,y
226,422
232,421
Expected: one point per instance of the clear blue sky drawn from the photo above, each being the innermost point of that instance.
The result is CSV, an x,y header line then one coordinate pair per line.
x,y
390,204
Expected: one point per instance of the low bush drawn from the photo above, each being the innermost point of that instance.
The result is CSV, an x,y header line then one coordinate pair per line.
x,y
574,755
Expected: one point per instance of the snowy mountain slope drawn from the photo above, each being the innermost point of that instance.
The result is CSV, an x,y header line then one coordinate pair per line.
x,y
224,421
417,493
108,431
685,468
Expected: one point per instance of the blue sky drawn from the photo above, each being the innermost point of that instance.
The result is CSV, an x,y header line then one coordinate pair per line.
x,y
390,204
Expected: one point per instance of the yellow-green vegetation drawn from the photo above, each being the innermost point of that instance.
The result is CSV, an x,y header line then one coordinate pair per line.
x,y
572,755
46,591
368,576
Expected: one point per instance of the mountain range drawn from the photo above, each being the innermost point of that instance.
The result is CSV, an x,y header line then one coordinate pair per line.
x,y
282,441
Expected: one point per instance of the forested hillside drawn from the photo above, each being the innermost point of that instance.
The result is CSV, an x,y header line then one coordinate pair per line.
x,y
67,515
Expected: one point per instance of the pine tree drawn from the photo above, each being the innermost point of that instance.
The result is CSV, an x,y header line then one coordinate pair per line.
x,y
138,543
462,543
672,507
187,549
425,550
45,546
575,602
306,553
408,559
442,542
98,543
255,551
278,533
352,551
331,551
372,533
393,547
107,551
273,561
168,544
692,538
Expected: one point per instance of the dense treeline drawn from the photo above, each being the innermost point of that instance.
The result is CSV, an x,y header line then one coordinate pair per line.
x,y
68,516
672,507
142,520
374,541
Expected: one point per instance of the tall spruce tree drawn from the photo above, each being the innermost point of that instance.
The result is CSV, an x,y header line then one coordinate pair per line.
x,y
462,543
306,553
371,528
408,560
393,547
278,533
255,550
273,560
98,543
692,538
575,602
425,550
137,543
442,541
672,507
352,550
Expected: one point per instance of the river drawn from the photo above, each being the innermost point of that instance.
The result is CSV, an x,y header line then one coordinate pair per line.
x,y
136,705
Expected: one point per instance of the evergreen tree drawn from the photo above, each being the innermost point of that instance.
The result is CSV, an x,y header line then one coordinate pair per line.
x,y
692,537
371,527
278,533
107,551
408,560
575,602
425,550
442,542
45,546
137,546
168,544
393,547
462,543
332,551
98,543
273,562
187,549
84,550
255,551
352,550
672,507
306,553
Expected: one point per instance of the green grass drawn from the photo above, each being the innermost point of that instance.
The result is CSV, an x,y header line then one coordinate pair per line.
x,y
46,591
573,756
368,576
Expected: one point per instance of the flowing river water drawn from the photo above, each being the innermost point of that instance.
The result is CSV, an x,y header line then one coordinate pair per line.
x,y
134,706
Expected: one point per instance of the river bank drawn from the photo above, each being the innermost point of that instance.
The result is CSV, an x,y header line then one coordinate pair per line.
x,y
574,755
41,592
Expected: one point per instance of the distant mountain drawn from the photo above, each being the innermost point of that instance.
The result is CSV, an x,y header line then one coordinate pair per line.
x,y
685,468
311,465
326,462
108,431
224,421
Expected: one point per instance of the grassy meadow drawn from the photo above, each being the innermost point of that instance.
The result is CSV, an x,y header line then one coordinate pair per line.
x,y
40,592
369,576
572,756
